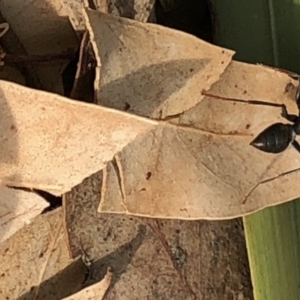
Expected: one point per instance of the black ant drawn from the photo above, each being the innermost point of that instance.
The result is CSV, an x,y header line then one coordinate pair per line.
x,y
277,137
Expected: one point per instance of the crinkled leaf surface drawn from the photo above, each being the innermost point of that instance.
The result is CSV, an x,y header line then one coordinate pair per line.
x,y
193,162
200,165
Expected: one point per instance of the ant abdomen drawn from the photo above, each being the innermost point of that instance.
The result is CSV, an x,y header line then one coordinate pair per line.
x,y
275,138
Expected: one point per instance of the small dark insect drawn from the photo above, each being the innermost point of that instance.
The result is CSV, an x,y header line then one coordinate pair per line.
x,y
277,137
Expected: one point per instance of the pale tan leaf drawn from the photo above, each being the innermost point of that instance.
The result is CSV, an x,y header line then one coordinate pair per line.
x,y
96,291
51,143
17,208
200,165
35,262
151,70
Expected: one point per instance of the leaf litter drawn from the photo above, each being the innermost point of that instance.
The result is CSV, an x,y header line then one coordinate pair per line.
x,y
185,156
165,255
202,166
215,171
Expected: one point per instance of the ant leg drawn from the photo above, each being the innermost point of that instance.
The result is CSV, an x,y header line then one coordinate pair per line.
x,y
286,115
296,145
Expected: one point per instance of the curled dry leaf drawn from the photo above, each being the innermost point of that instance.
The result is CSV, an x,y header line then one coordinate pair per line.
x,y
200,165
96,291
17,208
51,143
151,70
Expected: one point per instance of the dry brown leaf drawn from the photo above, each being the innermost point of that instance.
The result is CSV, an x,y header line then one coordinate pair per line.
x,y
202,166
96,291
35,262
58,142
17,208
43,28
151,70
165,255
